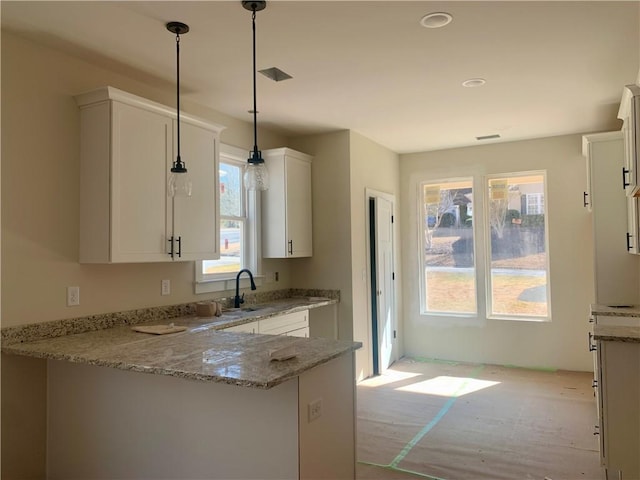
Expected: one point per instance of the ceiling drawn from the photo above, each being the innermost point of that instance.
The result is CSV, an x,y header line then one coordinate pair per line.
x,y
551,68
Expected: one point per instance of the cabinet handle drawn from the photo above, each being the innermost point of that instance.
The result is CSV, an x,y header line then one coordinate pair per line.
x,y
171,248
179,247
625,184
290,247
594,383
592,320
584,199
597,428
629,246
592,346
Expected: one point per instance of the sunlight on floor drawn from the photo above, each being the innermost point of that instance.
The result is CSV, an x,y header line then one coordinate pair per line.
x,y
448,386
389,376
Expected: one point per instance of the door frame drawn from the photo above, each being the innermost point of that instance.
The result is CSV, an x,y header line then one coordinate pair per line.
x,y
369,194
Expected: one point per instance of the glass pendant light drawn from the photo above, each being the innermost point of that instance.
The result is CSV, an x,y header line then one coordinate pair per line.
x,y
179,179
256,176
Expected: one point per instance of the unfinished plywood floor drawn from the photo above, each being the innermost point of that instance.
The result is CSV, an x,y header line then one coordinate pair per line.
x,y
457,421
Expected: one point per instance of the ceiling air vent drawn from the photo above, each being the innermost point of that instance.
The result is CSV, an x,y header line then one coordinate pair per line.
x,y
488,137
275,74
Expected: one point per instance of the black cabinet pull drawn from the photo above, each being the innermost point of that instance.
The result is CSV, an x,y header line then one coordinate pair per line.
x,y
629,246
592,346
584,199
179,247
594,383
625,184
290,247
171,248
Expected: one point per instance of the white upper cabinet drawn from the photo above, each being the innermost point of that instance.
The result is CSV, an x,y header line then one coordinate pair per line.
x,y
629,113
195,218
286,205
614,221
127,146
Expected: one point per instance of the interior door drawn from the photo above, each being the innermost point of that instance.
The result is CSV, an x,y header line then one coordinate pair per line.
x,y
384,282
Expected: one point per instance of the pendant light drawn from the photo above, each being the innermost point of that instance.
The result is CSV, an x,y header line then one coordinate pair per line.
x,y
255,172
179,180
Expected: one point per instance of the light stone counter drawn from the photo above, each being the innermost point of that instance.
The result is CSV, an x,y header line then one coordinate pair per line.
x,y
202,352
616,324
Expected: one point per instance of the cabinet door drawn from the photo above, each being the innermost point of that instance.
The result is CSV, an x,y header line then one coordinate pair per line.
x,y
298,205
629,113
140,154
286,205
195,218
251,327
283,324
620,390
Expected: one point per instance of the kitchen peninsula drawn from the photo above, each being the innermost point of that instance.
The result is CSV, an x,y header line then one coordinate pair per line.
x,y
212,404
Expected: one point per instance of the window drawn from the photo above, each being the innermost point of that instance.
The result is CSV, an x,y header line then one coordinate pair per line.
x,y
535,204
447,247
238,227
518,276
514,270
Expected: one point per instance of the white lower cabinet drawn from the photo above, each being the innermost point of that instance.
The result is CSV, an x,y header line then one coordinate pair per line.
x,y
294,324
244,328
617,383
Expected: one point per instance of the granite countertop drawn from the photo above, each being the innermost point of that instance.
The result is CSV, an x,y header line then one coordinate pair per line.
x,y
202,352
617,324
628,311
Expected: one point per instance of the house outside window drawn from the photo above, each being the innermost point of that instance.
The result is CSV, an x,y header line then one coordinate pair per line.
x,y
239,221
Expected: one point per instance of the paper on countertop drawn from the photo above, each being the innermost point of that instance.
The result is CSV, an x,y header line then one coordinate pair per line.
x,y
284,353
158,329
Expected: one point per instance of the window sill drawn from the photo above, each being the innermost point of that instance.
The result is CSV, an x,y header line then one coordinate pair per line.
x,y
513,318
226,283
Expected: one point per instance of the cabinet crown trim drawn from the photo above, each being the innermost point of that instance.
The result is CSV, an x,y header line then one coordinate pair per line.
x,y
625,104
103,94
285,151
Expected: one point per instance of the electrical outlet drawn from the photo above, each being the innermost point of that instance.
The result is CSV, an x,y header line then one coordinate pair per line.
x,y
73,296
165,287
315,410
277,276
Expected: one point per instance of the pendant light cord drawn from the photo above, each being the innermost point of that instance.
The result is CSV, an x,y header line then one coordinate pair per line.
x,y
178,160
256,154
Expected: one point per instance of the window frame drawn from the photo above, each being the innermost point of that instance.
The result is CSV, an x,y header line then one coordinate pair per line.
x,y
422,247
481,250
487,245
250,257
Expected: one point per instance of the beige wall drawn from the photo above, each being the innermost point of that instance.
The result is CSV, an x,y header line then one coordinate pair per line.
x,y
40,192
344,165
330,266
560,343
374,167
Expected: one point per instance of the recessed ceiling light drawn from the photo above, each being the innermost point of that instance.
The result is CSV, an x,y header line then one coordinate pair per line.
x,y
436,20
474,82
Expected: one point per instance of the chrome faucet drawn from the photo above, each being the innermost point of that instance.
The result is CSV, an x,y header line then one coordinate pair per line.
x,y
238,300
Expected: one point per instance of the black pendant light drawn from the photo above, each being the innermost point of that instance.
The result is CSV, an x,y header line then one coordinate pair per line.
x,y
255,173
179,180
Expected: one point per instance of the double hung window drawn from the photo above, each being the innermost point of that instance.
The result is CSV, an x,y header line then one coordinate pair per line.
x,y
238,226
